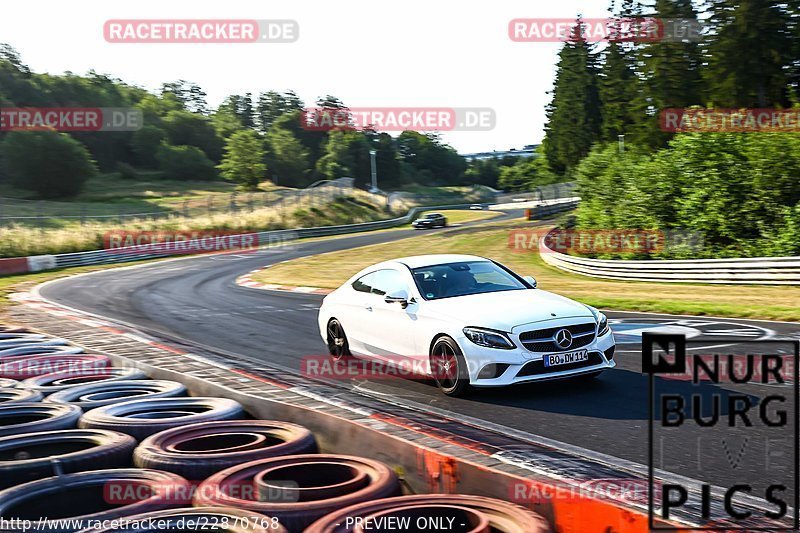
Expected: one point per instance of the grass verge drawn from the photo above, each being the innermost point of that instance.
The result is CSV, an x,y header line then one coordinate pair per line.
x,y
757,302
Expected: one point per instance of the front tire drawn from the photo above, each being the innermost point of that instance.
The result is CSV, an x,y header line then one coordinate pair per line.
x,y
449,368
337,340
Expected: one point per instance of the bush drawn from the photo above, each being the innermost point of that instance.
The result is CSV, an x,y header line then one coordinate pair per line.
x,y
526,174
145,143
736,190
52,164
185,163
127,172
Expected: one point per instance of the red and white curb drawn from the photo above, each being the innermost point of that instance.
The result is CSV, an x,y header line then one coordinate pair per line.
x,y
247,280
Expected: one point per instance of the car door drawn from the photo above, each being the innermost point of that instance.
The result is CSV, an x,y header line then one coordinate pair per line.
x,y
356,312
391,327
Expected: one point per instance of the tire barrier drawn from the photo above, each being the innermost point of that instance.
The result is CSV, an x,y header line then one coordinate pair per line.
x,y
299,489
8,396
104,393
142,418
18,418
39,349
421,512
198,519
199,450
8,383
11,330
31,456
94,495
31,339
20,337
58,381
30,366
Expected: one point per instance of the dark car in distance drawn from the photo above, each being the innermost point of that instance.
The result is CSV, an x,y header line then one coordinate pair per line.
x,y
430,220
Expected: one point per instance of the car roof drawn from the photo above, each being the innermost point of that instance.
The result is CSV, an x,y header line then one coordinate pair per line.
x,y
418,261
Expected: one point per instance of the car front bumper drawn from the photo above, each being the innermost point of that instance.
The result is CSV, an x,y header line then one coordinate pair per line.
x,y
524,366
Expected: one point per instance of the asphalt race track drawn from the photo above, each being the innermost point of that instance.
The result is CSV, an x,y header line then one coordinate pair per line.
x,y
197,300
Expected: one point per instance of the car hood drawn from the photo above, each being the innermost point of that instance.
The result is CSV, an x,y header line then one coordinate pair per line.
x,y
506,310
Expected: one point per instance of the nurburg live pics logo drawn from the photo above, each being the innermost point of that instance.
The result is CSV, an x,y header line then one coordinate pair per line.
x,y
664,355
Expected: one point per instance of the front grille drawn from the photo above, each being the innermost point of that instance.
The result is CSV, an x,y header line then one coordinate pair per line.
x,y
539,340
535,368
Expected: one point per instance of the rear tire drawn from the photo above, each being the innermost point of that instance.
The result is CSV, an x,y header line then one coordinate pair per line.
x,y
337,340
449,368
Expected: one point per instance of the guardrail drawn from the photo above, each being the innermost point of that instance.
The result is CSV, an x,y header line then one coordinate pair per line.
x,y
754,271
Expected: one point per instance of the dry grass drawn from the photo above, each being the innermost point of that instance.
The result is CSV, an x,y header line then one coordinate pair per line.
x,y
20,241
764,302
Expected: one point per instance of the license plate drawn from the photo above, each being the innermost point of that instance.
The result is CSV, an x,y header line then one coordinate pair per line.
x,y
557,359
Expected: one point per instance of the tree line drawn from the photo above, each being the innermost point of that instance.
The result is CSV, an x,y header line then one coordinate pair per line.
x,y
739,191
246,139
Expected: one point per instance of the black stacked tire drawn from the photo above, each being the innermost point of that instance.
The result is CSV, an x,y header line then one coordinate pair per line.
x,y
94,395
142,418
8,396
17,418
298,489
95,495
58,381
8,383
199,450
31,456
199,519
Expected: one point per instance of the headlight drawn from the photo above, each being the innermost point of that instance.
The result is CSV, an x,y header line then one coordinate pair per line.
x,y
602,325
488,338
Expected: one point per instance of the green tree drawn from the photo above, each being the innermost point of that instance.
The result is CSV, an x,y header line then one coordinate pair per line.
x,y
189,129
287,158
574,114
145,144
346,155
430,161
52,164
749,50
527,174
189,94
185,163
669,76
243,161
272,105
617,89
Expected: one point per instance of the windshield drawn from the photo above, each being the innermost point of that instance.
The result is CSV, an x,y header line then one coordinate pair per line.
x,y
464,278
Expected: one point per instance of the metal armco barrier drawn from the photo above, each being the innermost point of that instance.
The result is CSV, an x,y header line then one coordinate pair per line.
x,y
548,209
755,271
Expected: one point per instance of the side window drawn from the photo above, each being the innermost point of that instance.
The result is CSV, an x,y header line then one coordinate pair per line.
x,y
364,283
388,282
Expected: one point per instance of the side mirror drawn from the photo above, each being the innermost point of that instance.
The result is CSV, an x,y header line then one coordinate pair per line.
x,y
531,280
397,297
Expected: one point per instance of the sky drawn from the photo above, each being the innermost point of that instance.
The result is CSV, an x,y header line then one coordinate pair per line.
x,y
414,53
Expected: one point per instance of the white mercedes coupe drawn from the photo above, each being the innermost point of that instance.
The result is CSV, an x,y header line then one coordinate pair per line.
x,y
473,322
